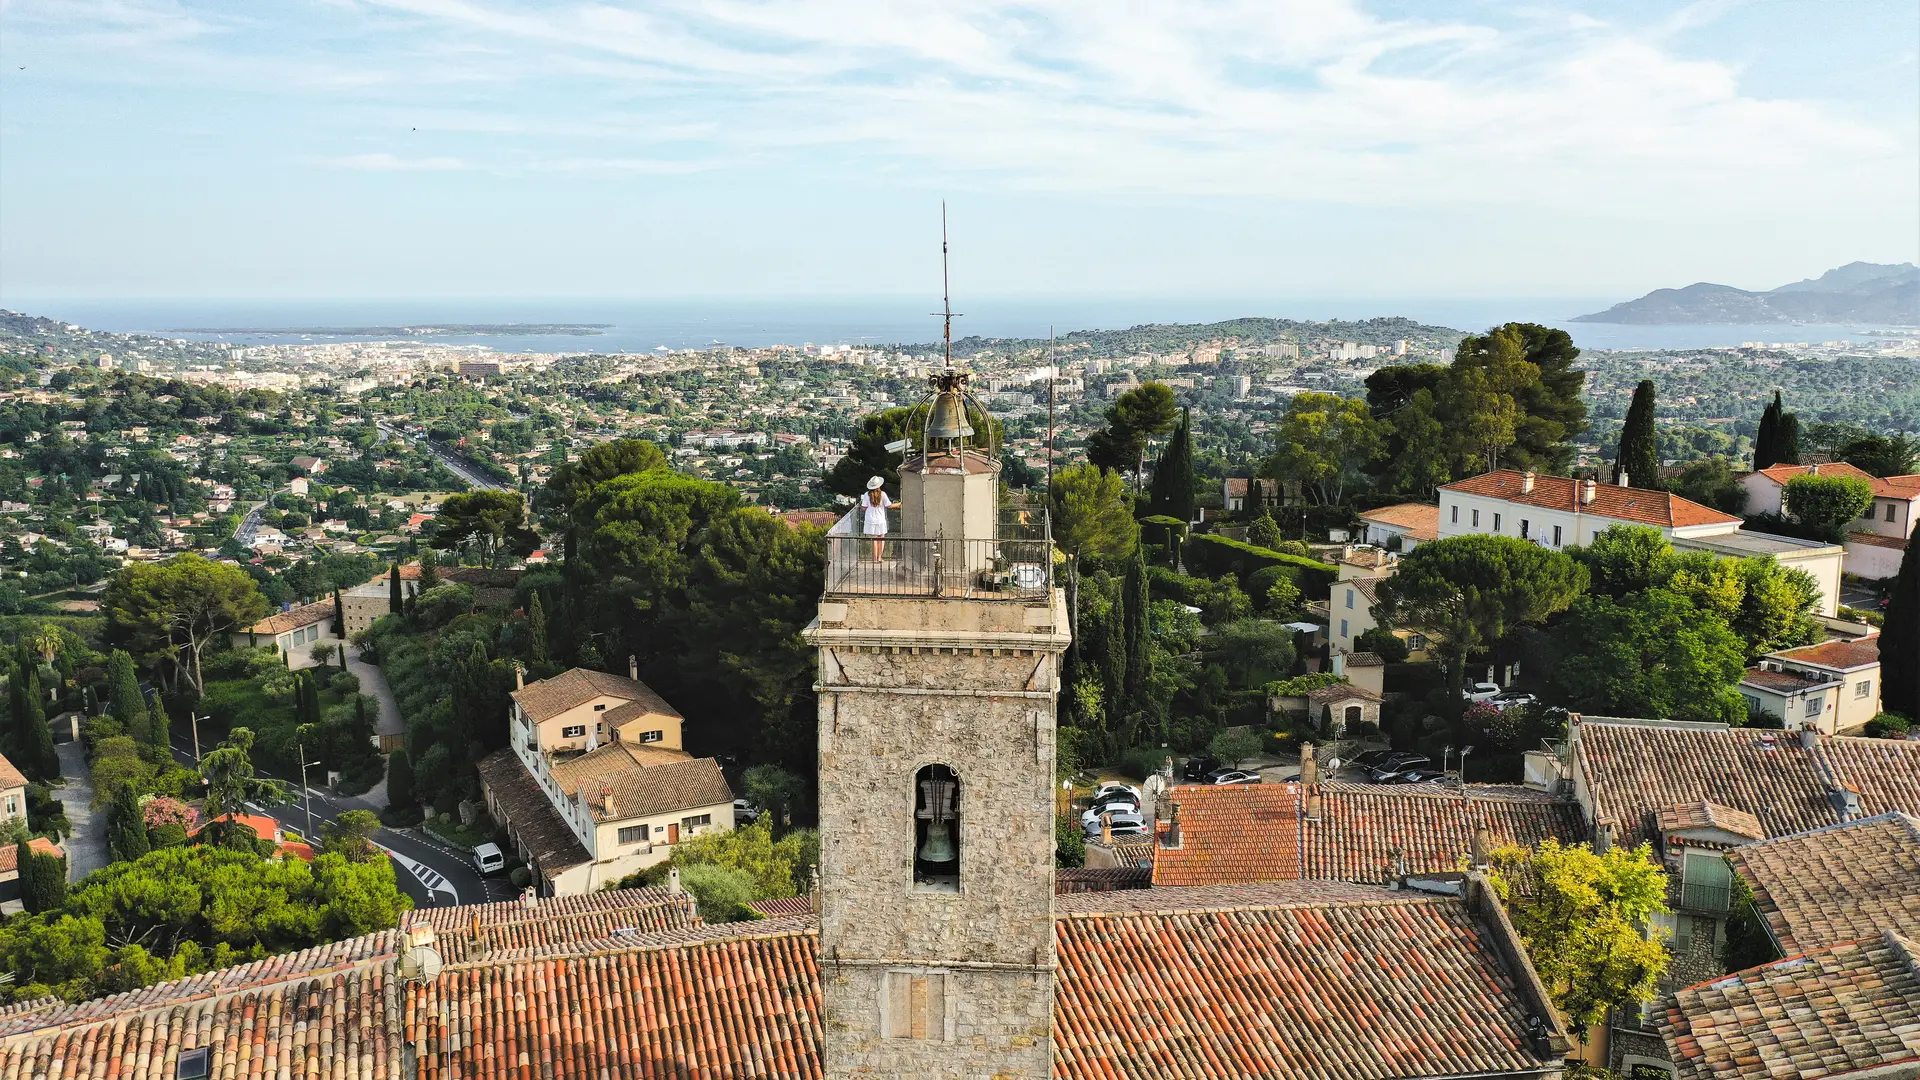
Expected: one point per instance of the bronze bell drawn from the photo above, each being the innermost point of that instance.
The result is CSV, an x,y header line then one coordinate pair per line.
x,y
949,419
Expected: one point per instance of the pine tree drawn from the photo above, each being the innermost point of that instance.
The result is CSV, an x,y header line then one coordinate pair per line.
x,y
43,880
126,828
1639,455
429,569
395,602
339,616
1900,637
1172,490
1766,441
537,629
399,781
1788,440
129,705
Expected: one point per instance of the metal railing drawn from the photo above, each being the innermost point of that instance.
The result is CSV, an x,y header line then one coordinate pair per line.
x,y
1698,897
937,566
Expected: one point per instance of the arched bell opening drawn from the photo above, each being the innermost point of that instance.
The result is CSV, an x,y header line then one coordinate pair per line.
x,y
936,830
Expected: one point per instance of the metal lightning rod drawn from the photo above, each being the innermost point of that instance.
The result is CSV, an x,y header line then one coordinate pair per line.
x,y
946,311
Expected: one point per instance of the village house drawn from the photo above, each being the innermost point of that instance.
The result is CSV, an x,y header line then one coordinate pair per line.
x,y
13,793
595,785
294,632
1559,512
1877,540
1832,686
1401,527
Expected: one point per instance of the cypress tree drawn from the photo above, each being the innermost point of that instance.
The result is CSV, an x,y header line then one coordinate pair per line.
x,y
395,603
399,781
537,629
1172,490
129,705
1766,441
1788,440
1639,456
126,829
1134,629
339,616
159,728
429,568
1256,502
43,880
36,738
1900,637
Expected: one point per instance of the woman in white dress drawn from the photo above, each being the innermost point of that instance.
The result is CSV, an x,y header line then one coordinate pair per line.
x,y
874,514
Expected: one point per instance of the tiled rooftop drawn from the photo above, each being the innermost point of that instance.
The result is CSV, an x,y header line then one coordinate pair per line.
x,y
1361,825
1232,833
1707,815
9,776
577,686
1636,505
1635,770
1300,980
1842,655
532,819
1782,682
1420,520
293,619
1841,883
645,781
1889,487
1847,1010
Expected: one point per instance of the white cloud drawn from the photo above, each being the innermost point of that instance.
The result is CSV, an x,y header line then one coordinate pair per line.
x,y
382,162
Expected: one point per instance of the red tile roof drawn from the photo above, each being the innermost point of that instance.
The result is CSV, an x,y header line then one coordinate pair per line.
x,y
786,905
1418,520
1636,505
525,811
39,845
1889,487
1634,770
1897,543
9,776
577,686
1782,682
1841,883
1361,826
1289,982
1839,655
1707,815
1847,1010
1232,833
282,621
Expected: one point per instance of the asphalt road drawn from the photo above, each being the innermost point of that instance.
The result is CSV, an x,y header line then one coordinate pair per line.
x,y
249,525
432,873
454,465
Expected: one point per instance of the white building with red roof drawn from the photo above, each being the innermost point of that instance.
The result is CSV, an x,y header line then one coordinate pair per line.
x,y
1559,512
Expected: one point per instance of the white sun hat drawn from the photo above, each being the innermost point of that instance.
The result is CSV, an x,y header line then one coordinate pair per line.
x,y
875,483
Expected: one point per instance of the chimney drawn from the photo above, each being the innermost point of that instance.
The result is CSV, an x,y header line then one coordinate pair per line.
x,y
1313,804
606,802
519,676
1526,483
1587,488
1309,765
1482,849
1106,829
1623,479
633,667
1171,838
1808,736
673,880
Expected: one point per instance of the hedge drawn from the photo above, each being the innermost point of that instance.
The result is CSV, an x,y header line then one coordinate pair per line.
x,y
1218,555
1302,685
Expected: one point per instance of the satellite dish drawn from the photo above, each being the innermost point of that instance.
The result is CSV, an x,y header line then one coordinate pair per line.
x,y
420,963
897,446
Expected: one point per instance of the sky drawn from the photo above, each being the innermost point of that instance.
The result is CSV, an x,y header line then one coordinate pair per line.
x,y
726,148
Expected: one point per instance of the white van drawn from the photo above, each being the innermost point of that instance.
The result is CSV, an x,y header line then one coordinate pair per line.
x,y
489,859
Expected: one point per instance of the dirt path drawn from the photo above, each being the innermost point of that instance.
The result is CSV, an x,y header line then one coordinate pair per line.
x,y
87,847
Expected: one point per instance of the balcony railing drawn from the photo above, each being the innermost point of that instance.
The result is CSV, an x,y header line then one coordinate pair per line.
x,y
1016,564
1697,897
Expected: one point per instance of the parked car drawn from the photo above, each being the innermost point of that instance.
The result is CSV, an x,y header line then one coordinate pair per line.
x,y
1511,699
1396,763
1415,776
1114,806
744,812
1117,819
1128,832
1367,759
1198,767
1480,691
1115,787
1233,776
489,859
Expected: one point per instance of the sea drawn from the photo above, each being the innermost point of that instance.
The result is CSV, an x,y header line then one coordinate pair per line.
x,y
645,326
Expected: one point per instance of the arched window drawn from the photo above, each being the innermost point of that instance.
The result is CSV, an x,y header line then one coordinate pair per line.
x,y
936,830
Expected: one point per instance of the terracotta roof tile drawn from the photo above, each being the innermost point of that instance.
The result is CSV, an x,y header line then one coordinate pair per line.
x,y
528,813
1361,826
1636,505
1841,883
1846,1010
9,776
577,686
1708,815
786,905
1419,520
1890,487
1232,833
1634,770
1304,979
1782,682
1897,543
293,619
643,779
10,852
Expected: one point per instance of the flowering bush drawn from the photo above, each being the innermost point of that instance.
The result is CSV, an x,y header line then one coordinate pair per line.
x,y
162,810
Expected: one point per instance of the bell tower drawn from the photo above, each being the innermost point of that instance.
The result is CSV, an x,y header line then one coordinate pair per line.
x,y
939,663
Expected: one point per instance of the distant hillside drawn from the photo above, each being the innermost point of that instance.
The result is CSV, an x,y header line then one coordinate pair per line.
x,y
1855,293
1245,332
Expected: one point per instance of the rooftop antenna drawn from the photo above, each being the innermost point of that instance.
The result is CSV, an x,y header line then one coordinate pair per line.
x,y
946,311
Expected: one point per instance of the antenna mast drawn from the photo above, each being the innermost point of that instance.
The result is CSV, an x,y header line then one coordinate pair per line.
x,y
946,311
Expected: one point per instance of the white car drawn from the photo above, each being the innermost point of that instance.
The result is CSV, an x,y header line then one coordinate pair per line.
x,y
745,812
488,859
1118,819
1117,803
1113,787
1480,691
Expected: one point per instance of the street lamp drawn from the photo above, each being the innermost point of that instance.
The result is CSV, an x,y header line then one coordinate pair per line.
x,y
306,793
